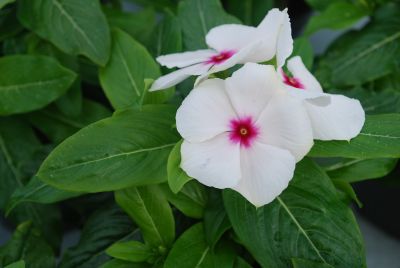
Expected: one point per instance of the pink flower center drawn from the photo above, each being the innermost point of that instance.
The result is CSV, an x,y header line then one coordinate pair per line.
x,y
292,81
221,57
243,131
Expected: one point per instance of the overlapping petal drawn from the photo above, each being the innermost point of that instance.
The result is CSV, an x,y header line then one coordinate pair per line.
x,y
296,66
205,113
266,172
215,162
185,59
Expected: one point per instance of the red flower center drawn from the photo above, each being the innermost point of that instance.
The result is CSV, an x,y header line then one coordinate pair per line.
x,y
243,131
221,57
292,81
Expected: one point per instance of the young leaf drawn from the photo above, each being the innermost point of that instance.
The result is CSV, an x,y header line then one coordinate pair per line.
x,y
128,149
379,138
177,178
197,17
191,200
150,210
337,16
74,26
123,77
102,229
306,221
27,244
29,83
191,250
133,251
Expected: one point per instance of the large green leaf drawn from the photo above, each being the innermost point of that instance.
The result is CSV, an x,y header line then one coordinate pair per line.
x,y
124,264
301,263
191,250
27,244
18,264
128,149
37,191
150,210
379,138
57,126
28,83
103,228
123,77
337,16
302,47
177,178
251,12
133,251
366,55
197,17
306,221
167,37
75,26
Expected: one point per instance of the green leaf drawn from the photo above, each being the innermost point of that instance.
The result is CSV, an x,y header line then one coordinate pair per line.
x,y
301,263
133,251
177,178
29,83
139,25
346,192
124,264
3,3
167,37
379,138
18,264
68,25
102,229
302,47
123,77
338,15
251,12
241,263
365,55
321,4
128,149
37,191
150,210
354,170
9,25
57,126
197,17
158,4
28,245
216,221
191,250
306,221
191,200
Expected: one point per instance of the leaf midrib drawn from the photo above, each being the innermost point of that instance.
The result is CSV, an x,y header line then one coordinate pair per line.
x,y
286,208
379,135
30,84
114,156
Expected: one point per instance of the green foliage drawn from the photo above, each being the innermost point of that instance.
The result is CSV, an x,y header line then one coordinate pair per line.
x,y
177,178
307,221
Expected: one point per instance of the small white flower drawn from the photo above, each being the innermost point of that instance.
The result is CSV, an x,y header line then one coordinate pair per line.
x,y
231,44
244,133
333,117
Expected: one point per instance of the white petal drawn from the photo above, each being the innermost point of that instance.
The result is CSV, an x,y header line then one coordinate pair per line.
x,y
277,30
251,87
186,58
285,124
231,37
178,76
215,162
266,172
300,72
343,119
205,113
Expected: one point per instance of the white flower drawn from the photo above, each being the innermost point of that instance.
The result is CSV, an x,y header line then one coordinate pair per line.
x,y
231,44
333,117
244,133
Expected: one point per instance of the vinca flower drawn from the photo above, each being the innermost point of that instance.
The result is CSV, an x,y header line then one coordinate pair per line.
x,y
333,117
229,45
245,133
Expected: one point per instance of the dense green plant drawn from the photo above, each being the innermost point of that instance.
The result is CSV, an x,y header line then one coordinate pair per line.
x,y
83,143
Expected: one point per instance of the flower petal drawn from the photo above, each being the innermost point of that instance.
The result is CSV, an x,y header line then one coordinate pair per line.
x,y
285,124
215,162
251,88
277,30
205,113
186,58
266,172
300,72
231,37
342,119
178,76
